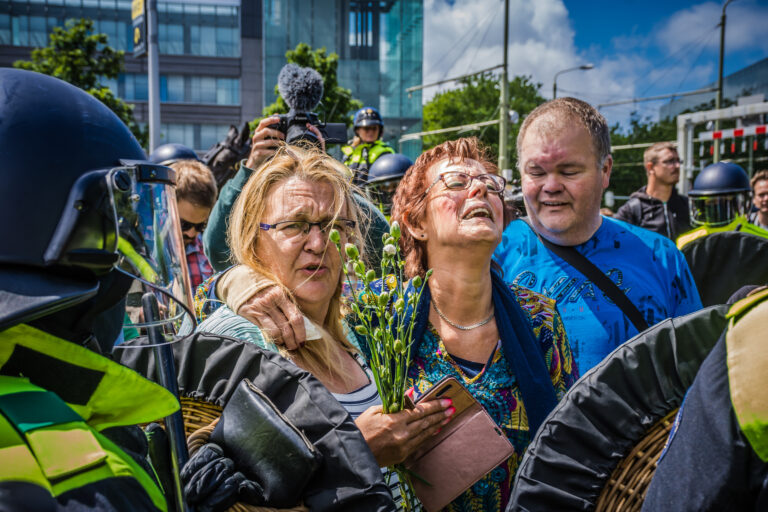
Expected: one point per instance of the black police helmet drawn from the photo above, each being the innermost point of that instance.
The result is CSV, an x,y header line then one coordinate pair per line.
x,y
387,167
52,136
172,152
719,195
720,178
368,116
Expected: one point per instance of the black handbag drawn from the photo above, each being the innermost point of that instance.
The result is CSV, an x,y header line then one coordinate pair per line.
x,y
265,446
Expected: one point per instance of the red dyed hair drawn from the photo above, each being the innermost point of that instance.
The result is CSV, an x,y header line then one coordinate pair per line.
x,y
408,205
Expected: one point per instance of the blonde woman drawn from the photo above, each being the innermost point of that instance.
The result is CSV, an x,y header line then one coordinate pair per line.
x,y
279,229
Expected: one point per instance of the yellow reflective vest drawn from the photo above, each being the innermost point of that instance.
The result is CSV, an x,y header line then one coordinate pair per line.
x,y
747,357
738,224
52,439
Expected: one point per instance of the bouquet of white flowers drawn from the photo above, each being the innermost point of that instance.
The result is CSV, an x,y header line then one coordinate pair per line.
x,y
380,314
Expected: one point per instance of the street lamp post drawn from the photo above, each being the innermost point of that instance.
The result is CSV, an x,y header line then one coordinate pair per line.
x,y
554,82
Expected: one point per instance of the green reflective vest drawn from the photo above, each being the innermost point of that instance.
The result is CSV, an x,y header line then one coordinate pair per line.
x,y
747,357
740,223
360,158
52,439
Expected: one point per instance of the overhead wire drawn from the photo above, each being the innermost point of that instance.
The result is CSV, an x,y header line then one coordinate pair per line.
x,y
485,34
685,48
693,64
471,30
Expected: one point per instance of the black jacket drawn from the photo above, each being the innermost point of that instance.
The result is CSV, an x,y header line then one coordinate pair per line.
x,y
210,367
709,463
670,219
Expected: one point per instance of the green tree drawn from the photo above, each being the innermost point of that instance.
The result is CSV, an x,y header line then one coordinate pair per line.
x,y
337,102
628,172
477,100
83,58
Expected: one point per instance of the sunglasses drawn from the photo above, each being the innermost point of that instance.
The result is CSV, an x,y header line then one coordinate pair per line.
x,y
199,227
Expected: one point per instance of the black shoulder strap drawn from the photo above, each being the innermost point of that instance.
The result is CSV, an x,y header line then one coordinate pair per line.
x,y
594,274
637,210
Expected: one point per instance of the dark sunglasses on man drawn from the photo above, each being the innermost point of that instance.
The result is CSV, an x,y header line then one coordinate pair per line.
x,y
199,227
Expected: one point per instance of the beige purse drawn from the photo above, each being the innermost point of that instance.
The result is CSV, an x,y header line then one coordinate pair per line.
x,y
466,449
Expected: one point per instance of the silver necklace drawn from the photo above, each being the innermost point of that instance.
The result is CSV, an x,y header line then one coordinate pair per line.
x,y
462,327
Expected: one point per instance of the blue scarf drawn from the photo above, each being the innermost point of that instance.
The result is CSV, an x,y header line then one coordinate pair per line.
x,y
522,350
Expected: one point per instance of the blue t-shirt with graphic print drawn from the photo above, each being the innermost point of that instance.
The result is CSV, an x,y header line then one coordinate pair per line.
x,y
644,265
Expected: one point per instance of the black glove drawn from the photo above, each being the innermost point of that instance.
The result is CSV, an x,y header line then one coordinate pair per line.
x,y
211,482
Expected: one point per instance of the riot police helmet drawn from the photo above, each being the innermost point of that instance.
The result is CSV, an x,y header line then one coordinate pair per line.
x,y
368,116
384,176
171,153
720,193
88,205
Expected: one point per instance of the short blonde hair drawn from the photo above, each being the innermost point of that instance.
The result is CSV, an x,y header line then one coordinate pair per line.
x,y
651,155
571,109
759,176
195,183
244,234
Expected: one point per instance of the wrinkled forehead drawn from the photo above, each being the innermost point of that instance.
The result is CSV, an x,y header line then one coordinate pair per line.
x,y
303,198
467,165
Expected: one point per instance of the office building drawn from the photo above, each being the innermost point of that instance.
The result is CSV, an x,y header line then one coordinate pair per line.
x,y
219,59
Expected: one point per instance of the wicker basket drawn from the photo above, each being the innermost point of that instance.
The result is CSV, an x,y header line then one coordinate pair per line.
x,y
200,418
627,485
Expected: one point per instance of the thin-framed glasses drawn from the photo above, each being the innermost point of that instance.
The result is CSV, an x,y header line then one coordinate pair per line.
x,y
457,180
297,228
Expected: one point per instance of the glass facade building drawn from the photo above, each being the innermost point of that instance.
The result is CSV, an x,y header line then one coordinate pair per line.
x,y
197,105
184,28
379,44
219,59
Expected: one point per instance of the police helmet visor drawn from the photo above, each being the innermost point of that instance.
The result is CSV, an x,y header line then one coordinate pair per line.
x,y
150,246
382,193
716,210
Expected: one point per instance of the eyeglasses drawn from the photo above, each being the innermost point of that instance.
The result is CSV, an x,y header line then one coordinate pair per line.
x,y
456,180
672,161
199,227
295,228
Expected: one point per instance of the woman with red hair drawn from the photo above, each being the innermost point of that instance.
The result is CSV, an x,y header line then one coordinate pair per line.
x,y
505,343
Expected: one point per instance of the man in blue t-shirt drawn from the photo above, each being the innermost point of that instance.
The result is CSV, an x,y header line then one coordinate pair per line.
x,y
565,164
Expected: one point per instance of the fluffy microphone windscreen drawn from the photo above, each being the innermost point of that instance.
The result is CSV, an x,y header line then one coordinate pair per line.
x,y
301,88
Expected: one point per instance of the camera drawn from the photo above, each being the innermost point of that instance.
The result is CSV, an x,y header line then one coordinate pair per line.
x,y
294,126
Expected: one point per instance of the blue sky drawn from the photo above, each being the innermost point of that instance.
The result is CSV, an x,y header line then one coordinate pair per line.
x,y
638,48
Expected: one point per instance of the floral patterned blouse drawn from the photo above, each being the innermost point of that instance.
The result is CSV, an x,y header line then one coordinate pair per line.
x,y
496,388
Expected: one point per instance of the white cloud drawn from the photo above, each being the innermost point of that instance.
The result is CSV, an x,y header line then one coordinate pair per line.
x,y
745,27
679,53
541,43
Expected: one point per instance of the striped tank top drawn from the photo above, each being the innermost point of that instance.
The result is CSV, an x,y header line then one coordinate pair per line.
x,y
356,403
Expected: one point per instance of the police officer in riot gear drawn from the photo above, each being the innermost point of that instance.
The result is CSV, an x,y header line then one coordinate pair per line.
x,y
724,250
80,222
719,194
718,202
367,145
383,178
